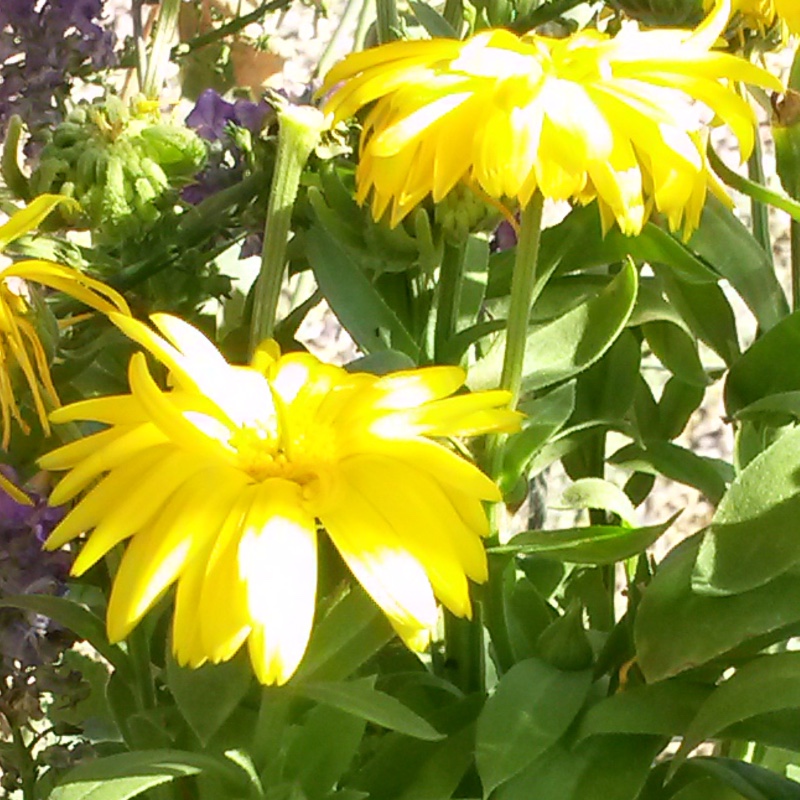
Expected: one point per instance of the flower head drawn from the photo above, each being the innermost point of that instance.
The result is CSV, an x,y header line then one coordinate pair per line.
x,y
21,350
760,15
222,480
586,117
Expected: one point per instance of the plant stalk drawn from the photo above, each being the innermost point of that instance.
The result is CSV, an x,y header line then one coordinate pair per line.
x,y
166,26
299,132
524,291
388,21
451,279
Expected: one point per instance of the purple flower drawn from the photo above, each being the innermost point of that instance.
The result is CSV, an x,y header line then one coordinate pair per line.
x,y
251,116
43,45
505,237
212,119
25,568
211,115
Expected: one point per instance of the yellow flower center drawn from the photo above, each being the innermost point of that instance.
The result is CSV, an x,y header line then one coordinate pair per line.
x,y
304,459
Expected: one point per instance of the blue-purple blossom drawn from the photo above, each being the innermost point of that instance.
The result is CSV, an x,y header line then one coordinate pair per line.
x,y
43,45
216,120
26,638
212,114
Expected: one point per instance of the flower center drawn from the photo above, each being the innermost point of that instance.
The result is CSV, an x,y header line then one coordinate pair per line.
x,y
264,454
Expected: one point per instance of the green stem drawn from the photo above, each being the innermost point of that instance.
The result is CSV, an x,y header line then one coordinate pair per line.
x,y
352,11
300,130
758,209
524,291
166,26
451,280
464,657
228,29
752,189
388,21
138,38
362,26
794,239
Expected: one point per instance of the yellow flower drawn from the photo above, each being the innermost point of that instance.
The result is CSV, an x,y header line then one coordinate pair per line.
x,y
761,14
585,117
20,347
222,480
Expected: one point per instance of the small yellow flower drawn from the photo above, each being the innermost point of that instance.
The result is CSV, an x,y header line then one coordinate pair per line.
x,y
20,347
222,480
586,117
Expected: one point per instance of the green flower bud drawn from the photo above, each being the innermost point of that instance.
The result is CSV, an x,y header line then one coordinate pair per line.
x,y
123,163
463,212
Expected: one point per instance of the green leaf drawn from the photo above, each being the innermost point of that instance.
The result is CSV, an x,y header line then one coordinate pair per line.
x,y
363,701
438,777
531,708
207,696
545,416
767,367
126,775
769,683
593,544
751,781
677,351
709,475
78,619
356,302
678,401
705,308
784,404
702,628
600,768
663,709
607,389
323,750
753,535
589,248
349,634
556,351
433,22
381,362
706,789
596,493
729,247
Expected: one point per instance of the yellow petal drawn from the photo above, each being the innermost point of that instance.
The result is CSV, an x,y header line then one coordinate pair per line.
x,y
143,498
278,562
157,555
390,486
29,218
379,561
104,496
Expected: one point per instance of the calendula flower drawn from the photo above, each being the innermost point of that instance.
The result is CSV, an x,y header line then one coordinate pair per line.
x,y
762,14
222,481
585,117
21,350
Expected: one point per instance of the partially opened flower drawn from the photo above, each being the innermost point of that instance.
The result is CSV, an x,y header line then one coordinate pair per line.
x,y
762,14
20,347
585,117
222,481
